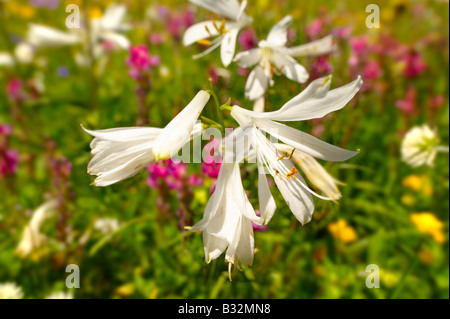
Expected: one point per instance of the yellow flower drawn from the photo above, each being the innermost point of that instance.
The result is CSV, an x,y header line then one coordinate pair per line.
x,y
95,12
418,183
429,224
341,231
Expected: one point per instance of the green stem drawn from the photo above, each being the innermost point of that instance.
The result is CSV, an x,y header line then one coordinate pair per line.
x,y
219,112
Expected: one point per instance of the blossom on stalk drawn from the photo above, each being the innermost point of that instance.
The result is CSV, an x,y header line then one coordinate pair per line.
x,y
273,57
420,146
225,31
314,102
428,223
227,220
120,153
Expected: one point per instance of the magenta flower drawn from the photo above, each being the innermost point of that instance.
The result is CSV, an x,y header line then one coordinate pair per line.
x,y
321,68
248,39
141,61
314,29
14,89
408,104
414,64
9,158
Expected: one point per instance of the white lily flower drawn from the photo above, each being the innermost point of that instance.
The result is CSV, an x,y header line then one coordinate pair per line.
x,y
273,57
314,102
420,146
31,236
226,223
41,36
120,153
225,31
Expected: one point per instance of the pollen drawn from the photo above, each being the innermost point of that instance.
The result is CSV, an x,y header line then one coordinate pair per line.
x,y
291,173
204,42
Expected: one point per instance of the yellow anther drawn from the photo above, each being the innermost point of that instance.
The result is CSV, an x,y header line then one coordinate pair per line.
x,y
222,27
281,157
204,42
292,173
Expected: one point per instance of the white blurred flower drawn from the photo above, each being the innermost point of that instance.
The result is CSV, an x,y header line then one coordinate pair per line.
x,y
225,31
104,35
6,59
10,290
60,295
420,146
31,236
24,53
120,153
273,57
106,225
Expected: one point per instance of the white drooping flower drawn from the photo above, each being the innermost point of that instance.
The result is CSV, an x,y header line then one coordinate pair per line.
x,y
420,146
273,57
60,295
120,153
314,102
227,220
10,290
32,238
225,31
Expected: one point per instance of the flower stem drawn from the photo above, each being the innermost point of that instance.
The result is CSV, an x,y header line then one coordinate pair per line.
x,y
218,110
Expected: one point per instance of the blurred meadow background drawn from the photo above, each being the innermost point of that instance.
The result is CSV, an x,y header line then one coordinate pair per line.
x,y
128,239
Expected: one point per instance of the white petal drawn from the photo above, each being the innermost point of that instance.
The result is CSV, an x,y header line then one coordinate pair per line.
x,y
120,153
113,17
227,8
202,30
267,204
289,67
313,102
118,39
228,46
278,34
178,131
43,36
248,58
256,84
304,142
318,47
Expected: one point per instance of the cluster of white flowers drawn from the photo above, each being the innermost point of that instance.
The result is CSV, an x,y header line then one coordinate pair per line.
x,y
120,153
108,28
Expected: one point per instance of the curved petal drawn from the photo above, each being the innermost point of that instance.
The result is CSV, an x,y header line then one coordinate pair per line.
x,y
228,46
290,67
278,34
257,83
227,8
315,101
304,142
200,31
248,58
318,47
178,132
43,36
